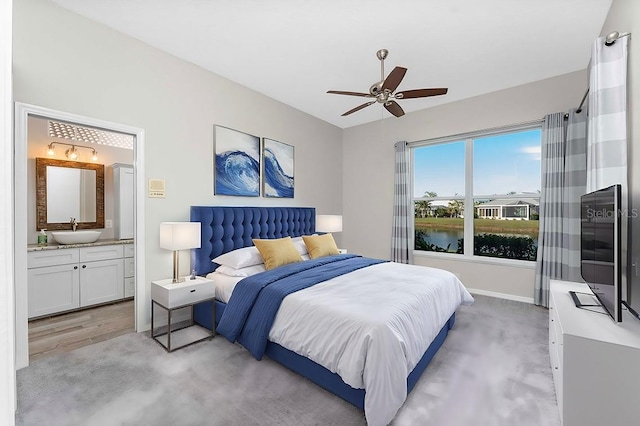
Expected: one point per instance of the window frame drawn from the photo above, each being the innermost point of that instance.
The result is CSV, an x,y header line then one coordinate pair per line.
x,y
468,138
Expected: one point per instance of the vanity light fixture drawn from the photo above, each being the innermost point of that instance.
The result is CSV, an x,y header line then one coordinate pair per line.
x,y
71,153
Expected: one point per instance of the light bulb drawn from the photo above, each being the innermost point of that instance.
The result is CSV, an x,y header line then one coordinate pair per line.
x,y
95,155
50,150
72,153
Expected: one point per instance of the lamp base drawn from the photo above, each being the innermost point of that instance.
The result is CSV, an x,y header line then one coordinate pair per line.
x,y
178,280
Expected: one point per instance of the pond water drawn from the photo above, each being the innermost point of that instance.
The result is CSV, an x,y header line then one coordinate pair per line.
x,y
449,237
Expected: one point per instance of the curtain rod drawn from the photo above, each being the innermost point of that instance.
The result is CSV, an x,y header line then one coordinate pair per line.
x,y
608,41
584,98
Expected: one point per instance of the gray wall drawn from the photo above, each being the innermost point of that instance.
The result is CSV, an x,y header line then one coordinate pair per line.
x,y
68,63
369,167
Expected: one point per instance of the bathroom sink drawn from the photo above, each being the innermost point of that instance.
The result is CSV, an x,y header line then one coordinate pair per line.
x,y
76,237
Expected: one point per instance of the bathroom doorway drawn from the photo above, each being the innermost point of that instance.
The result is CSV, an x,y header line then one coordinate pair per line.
x,y
94,315
69,155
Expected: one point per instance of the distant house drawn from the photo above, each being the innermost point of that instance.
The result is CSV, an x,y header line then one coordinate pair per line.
x,y
509,209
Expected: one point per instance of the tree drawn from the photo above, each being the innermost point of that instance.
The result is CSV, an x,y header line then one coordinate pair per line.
x,y
456,207
422,208
430,194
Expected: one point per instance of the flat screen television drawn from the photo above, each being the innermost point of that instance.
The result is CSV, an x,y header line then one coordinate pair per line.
x,y
600,247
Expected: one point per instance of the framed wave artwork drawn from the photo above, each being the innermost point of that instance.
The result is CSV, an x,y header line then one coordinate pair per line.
x,y
237,163
278,169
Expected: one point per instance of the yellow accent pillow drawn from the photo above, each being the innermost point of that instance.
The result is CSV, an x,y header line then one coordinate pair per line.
x,y
277,252
320,245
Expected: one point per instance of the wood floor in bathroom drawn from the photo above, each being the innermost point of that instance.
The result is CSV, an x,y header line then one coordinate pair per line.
x,y
63,333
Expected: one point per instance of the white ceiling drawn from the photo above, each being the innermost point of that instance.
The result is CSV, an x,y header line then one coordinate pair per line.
x,y
294,51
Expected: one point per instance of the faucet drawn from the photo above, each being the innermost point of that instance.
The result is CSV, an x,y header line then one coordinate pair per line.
x,y
74,223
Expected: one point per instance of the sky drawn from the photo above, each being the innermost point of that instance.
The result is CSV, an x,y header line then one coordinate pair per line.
x,y
501,164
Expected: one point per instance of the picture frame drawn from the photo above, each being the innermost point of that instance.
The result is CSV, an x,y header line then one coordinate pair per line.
x,y
237,165
278,160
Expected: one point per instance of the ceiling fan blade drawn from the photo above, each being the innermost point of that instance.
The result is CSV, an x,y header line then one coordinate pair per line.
x,y
394,78
394,108
421,93
358,108
340,92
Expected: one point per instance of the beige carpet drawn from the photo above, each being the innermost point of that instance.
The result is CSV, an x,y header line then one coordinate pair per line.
x,y
492,370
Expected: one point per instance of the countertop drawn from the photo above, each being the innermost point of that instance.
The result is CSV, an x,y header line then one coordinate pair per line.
x,y
55,246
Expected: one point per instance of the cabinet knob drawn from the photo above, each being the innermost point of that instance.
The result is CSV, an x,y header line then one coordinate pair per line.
x,y
75,267
84,266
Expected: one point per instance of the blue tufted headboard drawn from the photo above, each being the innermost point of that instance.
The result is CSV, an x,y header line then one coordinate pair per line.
x,y
228,228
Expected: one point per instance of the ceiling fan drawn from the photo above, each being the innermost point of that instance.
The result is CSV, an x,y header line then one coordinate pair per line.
x,y
383,90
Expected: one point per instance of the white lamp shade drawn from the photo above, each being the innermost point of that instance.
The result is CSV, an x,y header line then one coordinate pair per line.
x,y
329,223
179,235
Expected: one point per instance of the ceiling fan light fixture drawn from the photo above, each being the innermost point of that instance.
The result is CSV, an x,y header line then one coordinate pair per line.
x,y
376,88
383,90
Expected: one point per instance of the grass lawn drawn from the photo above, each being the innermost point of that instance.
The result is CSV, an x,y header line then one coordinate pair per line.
x,y
529,227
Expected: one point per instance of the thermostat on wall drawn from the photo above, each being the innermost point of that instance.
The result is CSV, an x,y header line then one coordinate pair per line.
x,y
156,188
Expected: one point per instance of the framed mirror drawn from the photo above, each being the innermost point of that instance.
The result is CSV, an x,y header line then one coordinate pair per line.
x,y
66,189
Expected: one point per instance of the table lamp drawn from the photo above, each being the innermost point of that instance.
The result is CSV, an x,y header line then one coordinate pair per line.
x,y
179,236
329,223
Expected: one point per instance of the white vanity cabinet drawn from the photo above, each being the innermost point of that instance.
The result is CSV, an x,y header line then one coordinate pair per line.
x,y
52,288
101,274
64,279
123,188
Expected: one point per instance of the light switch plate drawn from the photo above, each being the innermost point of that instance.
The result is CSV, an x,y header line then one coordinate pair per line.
x,y
156,188
108,223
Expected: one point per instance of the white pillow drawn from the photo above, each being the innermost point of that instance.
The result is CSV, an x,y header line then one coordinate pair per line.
x,y
299,244
247,271
240,258
249,256
242,272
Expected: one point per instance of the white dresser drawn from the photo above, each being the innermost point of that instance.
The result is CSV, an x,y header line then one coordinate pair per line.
x,y
595,361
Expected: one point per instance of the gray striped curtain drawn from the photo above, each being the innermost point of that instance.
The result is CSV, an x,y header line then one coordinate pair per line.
x,y
564,147
607,142
402,209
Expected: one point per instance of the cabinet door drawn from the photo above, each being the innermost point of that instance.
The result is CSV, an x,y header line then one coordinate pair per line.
x,y
129,287
53,289
89,254
124,200
129,267
101,281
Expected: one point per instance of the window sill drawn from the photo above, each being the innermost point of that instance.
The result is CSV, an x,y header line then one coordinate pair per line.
x,y
526,264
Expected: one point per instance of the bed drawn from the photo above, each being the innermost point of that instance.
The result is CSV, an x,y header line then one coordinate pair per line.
x,y
225,229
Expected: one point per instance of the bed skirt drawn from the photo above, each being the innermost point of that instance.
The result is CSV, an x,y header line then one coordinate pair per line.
x,y
317,373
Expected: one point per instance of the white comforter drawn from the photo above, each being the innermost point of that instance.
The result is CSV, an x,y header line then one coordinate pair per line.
x,y
371,327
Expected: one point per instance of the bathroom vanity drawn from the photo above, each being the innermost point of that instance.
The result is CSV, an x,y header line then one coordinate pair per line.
x,y
61,278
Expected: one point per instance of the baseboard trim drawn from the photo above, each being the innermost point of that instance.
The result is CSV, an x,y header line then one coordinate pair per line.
x,y
501,295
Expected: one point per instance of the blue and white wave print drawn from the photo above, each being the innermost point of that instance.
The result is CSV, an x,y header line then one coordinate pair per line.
x,y
237,173
276,182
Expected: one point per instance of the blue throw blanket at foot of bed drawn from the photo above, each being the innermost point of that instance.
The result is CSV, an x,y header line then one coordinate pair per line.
x,y
255,300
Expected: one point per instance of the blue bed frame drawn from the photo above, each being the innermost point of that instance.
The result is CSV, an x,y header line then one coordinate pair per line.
x,y
228,228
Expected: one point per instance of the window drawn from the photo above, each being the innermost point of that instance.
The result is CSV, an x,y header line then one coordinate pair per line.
x,y
493,176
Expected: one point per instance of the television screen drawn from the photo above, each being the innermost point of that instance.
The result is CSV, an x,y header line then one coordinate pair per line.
x,y
600,247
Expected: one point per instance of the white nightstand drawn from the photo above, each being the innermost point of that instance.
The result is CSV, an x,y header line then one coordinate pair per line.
x,y
172,297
